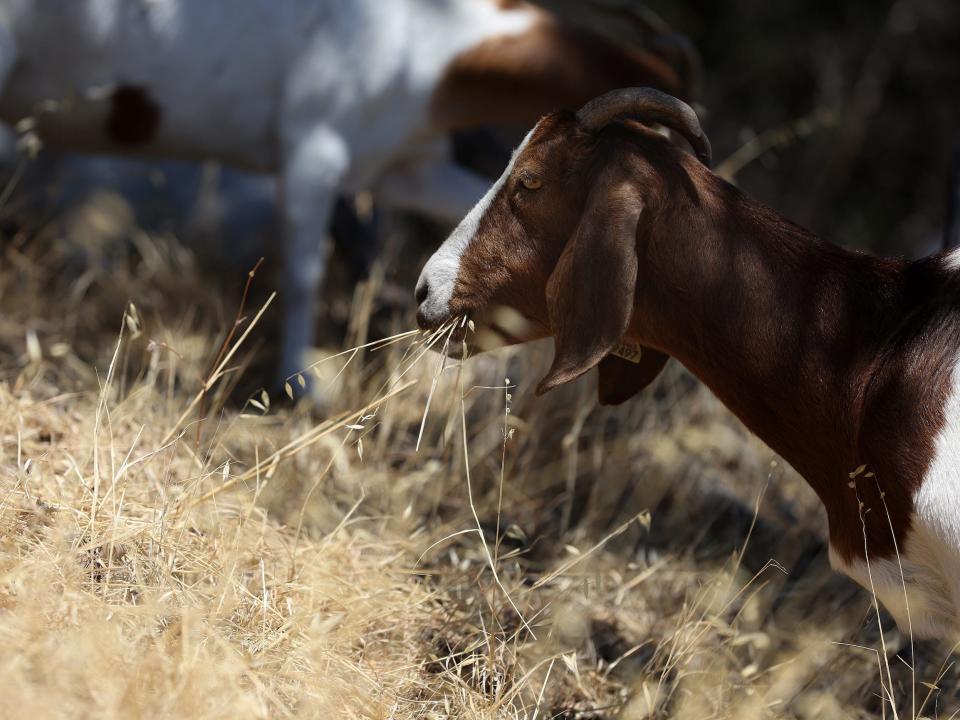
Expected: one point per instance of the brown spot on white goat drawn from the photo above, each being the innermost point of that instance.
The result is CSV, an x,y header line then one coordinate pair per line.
x,y
134,117
843,363
511,79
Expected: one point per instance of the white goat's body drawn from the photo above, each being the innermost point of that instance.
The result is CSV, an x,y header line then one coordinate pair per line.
x,y
332,95
239,87
205,95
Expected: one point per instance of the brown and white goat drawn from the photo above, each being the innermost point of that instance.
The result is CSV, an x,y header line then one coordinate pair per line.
x,y
601,233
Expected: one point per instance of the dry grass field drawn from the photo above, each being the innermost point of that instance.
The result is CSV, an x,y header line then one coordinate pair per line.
x,y
163,555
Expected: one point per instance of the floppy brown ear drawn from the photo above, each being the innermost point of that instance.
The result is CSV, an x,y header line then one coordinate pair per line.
x,y
621,379
590,293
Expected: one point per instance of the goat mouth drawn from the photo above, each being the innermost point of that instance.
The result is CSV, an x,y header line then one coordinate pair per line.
x,y
471,332
436,325
444,330
483,337
458,337
450,339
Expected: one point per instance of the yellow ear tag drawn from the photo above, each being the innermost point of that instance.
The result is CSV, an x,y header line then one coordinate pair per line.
x,y
628,351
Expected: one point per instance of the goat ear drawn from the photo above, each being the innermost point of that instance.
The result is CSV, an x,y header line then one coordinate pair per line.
x,y
590,293
621,379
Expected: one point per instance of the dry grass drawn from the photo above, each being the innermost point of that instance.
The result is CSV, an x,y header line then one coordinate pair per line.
x,y
535,558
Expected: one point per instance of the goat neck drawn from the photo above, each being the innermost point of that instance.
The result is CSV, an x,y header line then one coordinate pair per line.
x,y
795,335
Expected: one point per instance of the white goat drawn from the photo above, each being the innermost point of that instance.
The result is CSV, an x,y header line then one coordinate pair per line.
x,y
335,96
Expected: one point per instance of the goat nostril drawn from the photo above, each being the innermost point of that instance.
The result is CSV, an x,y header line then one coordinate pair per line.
x,y
423,322
421,293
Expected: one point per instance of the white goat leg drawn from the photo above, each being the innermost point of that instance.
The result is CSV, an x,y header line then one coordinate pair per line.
x,y
312,172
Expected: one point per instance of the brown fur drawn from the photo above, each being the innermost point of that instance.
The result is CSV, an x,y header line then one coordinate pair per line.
x,y
835,359
515,80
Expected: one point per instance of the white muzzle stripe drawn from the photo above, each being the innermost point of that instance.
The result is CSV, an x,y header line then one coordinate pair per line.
x,y
440,273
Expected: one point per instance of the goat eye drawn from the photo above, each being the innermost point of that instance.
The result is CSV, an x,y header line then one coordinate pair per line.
x,y
530,182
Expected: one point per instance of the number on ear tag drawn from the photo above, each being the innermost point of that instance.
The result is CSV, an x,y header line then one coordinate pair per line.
x,y
628,351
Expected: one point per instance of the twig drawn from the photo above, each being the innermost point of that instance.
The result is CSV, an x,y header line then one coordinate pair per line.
x,y
225,345
780,136
476,517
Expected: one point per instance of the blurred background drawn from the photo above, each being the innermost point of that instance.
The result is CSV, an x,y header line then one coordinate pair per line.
x,y
858,102
841,116
704,589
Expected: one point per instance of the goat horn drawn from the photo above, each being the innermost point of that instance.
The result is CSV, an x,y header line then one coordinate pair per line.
x,y
647,105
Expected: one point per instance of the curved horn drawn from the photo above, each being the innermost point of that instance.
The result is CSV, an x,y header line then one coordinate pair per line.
x,y
647,105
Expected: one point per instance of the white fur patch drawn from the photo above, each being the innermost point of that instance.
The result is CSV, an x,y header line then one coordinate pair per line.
x,y
938,499
915,589
951,260
440,273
